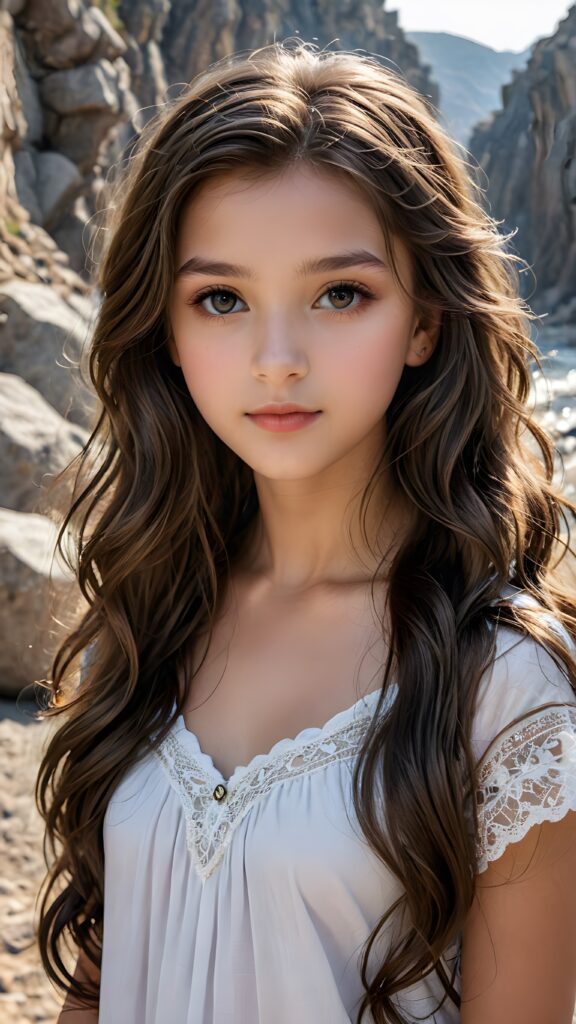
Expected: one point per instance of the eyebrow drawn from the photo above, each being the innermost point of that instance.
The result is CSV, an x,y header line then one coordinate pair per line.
x,y
216,268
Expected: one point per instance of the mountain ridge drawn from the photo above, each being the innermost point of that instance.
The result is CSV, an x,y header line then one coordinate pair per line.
x,y
470,76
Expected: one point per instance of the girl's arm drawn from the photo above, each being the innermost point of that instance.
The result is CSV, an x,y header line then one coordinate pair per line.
x,y
518,959
72,1012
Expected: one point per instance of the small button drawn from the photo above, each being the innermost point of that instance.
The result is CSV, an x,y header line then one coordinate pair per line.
x,y
219,792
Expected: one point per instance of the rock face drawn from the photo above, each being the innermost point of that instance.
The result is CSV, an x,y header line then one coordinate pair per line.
x,y
45,310
35,443
71,87
26,547
39,325
528,151
27,251
195,35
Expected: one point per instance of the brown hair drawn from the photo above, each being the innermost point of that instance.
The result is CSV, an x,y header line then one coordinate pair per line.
x,y
162,507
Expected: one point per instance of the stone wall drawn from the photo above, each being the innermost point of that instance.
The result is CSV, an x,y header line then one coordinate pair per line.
x,y
44,409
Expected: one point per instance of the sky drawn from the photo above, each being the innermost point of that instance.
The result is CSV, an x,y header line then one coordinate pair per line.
x,y
501,24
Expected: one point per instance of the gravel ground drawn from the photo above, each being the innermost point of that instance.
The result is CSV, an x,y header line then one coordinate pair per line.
x,y
25,993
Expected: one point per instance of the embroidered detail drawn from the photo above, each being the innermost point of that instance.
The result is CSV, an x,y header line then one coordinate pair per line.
x,y
210,823
527,777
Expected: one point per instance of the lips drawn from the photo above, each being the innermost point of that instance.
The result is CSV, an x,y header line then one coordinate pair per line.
x,y
284,423
281,409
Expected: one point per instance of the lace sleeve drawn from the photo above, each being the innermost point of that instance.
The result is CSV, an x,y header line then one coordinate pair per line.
x,y
527,776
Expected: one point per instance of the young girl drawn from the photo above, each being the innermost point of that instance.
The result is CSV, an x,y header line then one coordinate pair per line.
x,y
320,764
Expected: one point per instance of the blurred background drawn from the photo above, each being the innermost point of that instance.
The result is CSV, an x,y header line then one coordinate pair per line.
x,y
77,84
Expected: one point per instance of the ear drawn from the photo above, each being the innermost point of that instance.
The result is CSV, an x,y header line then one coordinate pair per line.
x,y
424,340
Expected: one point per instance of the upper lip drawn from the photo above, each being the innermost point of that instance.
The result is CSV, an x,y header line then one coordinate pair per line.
x,y
280,409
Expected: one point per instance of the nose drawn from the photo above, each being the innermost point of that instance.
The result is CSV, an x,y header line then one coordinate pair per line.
x,y
278,350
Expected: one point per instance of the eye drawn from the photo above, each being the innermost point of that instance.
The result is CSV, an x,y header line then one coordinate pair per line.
x,y
222,298
339,292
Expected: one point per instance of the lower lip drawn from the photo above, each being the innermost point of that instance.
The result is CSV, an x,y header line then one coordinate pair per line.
x,y
283,424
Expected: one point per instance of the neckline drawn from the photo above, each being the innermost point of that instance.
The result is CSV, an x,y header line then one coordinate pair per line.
x,y
190,740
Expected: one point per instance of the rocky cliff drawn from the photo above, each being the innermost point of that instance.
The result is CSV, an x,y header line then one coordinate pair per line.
x,y
527,150
44,308
195,34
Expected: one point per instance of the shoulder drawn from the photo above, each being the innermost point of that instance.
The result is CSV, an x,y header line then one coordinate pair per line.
x,y
523,677
524,740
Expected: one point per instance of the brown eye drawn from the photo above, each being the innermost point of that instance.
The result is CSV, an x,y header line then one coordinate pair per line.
x,y
341,293
222,301
346,297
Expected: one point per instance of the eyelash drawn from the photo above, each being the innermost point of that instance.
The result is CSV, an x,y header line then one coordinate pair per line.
x,y
354,286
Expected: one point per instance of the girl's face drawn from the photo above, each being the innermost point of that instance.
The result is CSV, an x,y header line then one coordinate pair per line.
x,y
304,313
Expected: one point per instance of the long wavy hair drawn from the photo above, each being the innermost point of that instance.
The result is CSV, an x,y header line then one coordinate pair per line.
x,y
161,507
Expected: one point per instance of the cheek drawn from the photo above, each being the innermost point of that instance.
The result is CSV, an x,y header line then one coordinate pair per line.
x,y
200,358
209,377
373,367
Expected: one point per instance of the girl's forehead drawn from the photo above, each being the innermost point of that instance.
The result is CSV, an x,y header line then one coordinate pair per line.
x,y
298,183
301,206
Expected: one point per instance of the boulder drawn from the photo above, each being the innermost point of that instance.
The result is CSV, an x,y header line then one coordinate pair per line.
x,y
64,33
80,137
42,340
91,38
47,183
82,89
144,20
110,43
58,182
25,182
36,443
34,586
83,105
74,236
53,18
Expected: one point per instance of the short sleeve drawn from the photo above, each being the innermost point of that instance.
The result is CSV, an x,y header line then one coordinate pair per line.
x,y
524,738
528,777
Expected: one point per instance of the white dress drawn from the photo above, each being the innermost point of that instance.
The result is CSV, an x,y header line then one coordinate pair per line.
x,y
248,900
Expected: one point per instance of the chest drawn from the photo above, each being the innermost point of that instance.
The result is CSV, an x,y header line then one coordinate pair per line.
x,y
276,666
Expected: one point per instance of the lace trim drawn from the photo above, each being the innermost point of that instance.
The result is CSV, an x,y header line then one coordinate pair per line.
x,y
210,823
528,776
